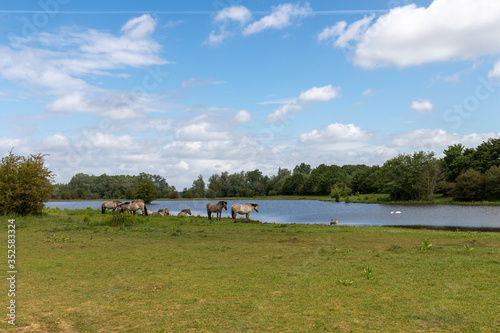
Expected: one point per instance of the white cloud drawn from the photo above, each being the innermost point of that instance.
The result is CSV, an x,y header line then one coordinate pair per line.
x,y
240,14
494,74
438,138
335,133
279,18
139,27
319,94
281,114
242,116
339,36
315,94
411,35
421,106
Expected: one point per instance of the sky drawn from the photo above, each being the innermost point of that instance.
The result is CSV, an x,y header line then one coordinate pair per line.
x,y
182,89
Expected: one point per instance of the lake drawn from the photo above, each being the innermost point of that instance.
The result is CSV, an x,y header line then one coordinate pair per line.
x,y
353,214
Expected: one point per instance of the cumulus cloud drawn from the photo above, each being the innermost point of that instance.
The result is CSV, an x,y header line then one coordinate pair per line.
x,y
438,138
242,116
240,14
280,17
315,94
411,35
319,94
58,65
421,106
335,133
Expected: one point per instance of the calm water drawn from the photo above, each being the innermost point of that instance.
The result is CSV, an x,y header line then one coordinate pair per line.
x,y
310,211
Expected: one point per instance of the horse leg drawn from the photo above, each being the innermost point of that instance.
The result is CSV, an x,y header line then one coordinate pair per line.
x,y
248,215
219,215
209,214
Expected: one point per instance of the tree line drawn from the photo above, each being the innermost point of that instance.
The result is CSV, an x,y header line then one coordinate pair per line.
x,y
465,174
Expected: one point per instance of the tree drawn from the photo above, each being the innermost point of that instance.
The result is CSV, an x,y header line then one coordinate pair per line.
x,y
25,184
400,175
430,175
146,191
457,160
302,168
198,188
469,186
294,184
492,180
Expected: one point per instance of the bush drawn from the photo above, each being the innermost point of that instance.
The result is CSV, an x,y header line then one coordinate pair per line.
x,y
469,186
25,184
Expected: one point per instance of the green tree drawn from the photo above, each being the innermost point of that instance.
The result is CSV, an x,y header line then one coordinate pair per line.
x,y
198,188
294,184
469,186
486,155
302,168
25,184
400,175
146,191
492,182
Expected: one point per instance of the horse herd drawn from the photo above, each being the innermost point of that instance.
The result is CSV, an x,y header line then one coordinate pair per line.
x,y
133,206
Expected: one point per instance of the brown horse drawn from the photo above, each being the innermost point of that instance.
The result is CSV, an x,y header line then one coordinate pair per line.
x,y
243,209
133,207
109,205
185,212
216,208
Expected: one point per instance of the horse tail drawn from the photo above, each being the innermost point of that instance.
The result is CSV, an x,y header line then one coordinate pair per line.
x,y
103,210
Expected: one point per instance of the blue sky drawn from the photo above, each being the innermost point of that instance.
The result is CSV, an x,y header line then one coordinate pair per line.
x,y
181,89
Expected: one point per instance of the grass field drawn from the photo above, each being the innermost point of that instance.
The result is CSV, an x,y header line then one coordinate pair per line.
x,y
80,271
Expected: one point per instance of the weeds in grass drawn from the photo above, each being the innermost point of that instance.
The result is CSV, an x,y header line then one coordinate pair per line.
x,y
468,249
345,282
426,245
368,271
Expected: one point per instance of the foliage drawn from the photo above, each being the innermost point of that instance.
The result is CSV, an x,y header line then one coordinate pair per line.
x,y
25,184
400,175
492,182
469,186
146,191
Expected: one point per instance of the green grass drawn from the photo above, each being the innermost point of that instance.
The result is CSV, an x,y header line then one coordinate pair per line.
x,y
81,272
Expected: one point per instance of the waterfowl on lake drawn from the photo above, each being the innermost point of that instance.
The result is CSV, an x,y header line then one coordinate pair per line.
x,y
332,222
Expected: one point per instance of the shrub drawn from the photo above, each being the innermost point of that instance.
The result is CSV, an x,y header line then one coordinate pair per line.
x,y
25,184
469,186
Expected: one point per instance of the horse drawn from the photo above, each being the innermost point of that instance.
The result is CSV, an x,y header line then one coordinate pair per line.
x,y
216,208
109,205
332,222
243,209
133,207
185,212
163,212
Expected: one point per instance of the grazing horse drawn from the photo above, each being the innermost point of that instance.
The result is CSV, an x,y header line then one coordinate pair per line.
x,y
133,207
109,205
185,212
243,209
216,208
